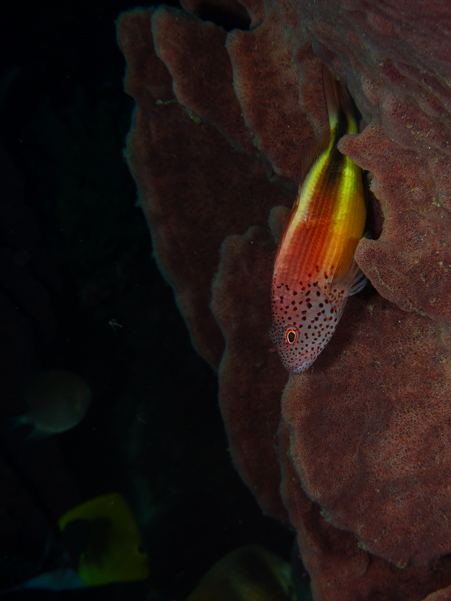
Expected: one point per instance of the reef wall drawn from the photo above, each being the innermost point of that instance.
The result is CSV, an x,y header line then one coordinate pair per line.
x,y
356,452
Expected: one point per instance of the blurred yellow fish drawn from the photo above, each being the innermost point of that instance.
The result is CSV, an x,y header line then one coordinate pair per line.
x,y
102,545
113,549
314,269
250,573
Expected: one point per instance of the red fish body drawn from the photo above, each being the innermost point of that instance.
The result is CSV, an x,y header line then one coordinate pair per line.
x,y
314,269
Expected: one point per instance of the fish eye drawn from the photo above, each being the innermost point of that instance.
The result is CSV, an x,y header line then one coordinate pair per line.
x,y
291,334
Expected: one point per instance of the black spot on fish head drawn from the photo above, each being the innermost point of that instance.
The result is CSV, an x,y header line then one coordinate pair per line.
x,y
303,324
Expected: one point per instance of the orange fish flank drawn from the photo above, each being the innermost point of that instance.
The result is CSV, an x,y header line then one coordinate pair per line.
x,y
314,269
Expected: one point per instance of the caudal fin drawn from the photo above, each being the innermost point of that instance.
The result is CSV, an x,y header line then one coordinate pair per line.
x,y
340,106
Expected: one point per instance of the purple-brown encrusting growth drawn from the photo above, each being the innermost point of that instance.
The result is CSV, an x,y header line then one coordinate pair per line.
x,y
356,452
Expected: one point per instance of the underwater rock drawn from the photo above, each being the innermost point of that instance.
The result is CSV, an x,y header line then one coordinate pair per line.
x,y
396,65
364,461
443,595
250,377
214,189
373,444
339,568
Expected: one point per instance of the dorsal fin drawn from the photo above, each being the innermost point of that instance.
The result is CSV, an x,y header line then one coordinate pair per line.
x,y
340,106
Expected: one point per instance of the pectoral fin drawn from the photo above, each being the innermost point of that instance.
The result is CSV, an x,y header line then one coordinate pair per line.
x,y
352,281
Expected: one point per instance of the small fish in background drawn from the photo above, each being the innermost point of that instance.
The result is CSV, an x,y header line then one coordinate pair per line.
x,y
113,550
250,573
57,401
102,546
314,269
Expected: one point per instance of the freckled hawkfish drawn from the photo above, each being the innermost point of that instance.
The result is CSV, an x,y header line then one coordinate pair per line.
x,y
314,269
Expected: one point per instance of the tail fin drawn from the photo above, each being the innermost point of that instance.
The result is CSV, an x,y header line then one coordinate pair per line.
x,y
340,106
9,424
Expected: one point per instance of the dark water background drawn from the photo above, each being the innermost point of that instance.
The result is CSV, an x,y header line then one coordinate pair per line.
x,y
153,432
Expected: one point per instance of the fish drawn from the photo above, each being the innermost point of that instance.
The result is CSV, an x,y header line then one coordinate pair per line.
x,y
314,268
249,573
57,400
103,541
101,544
